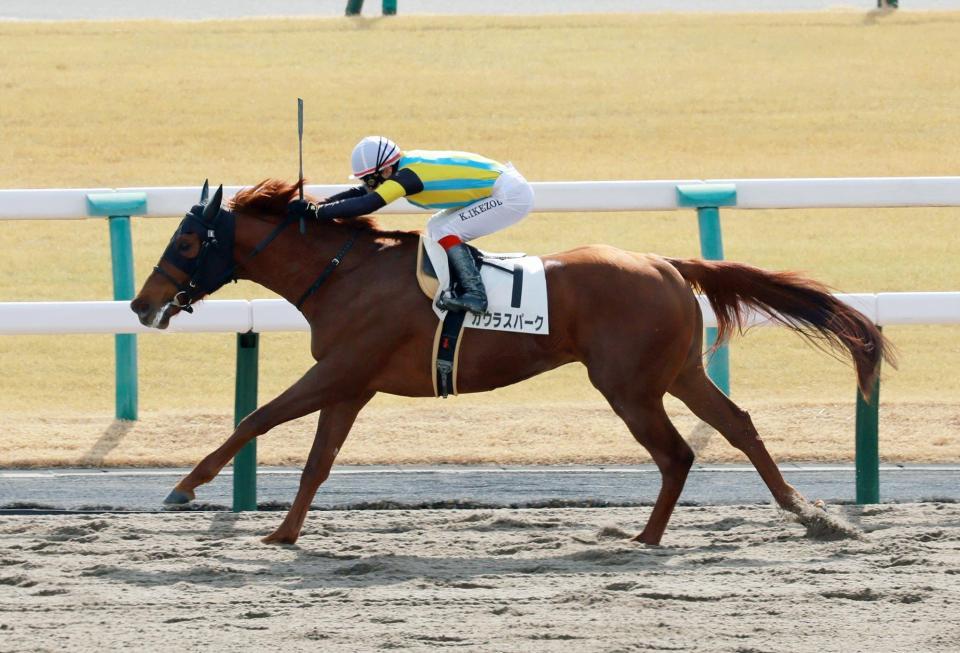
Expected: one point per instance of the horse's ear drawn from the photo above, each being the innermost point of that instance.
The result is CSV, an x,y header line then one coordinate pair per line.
x,y
212,209
205,192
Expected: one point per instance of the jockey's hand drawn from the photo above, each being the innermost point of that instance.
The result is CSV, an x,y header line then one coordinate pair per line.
x,y
304,209
301,209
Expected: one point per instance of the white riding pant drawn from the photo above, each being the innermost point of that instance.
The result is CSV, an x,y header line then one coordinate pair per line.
x,y
510,202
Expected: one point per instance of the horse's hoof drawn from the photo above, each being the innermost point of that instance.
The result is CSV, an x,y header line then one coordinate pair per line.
x,y
643,538
178,498
279,538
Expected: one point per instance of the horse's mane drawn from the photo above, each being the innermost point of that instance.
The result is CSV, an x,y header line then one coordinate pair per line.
x,y
270,197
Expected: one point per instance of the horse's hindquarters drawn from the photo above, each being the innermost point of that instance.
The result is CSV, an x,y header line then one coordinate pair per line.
x,y
625,315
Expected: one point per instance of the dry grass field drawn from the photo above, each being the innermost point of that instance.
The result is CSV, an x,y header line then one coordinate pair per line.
x,y
564,98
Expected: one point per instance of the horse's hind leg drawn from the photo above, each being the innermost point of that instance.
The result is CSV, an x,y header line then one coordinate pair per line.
x,y
694,388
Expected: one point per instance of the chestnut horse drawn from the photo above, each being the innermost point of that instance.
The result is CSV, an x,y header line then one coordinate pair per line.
x,y
631,319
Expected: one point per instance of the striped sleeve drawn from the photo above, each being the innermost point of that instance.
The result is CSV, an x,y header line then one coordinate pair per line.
x,y
405,182
390,191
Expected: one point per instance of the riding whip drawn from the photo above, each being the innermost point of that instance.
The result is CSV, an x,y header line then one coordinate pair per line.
x,y
303,224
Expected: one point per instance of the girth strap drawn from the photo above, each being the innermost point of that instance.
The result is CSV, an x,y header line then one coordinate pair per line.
x,y
449,334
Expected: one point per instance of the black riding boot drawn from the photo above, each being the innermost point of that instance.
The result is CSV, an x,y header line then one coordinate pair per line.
x,y
474,297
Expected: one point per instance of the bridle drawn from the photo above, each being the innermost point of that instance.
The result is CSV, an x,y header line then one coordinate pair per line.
x,y
192,267
216,241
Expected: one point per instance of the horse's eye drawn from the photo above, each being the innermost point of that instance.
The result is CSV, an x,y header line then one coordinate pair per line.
x,y
183,246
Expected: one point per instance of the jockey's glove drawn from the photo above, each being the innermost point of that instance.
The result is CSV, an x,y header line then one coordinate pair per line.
x,y
331,208
305,209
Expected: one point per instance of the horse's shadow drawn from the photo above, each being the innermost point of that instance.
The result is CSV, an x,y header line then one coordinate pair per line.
x,y
227,553
319,569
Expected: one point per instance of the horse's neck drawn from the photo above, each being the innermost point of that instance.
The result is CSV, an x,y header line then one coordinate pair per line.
x,y
281,264
292,261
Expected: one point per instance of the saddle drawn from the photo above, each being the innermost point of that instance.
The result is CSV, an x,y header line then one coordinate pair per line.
x,y
427,276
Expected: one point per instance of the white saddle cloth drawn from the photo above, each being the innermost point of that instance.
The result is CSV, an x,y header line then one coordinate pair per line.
x,y
516,291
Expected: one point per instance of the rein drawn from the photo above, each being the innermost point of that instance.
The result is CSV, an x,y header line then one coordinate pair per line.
x,y
331,266
188,288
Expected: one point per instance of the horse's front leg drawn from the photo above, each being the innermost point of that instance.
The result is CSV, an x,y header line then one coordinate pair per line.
x,y
307,395
334,425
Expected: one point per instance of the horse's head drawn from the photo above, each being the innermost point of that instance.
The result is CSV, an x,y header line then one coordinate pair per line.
x,y
198,261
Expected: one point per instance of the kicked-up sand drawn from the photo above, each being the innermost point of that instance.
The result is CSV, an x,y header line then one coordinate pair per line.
x,y
727,578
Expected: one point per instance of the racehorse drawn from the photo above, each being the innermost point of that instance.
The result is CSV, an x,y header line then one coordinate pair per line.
x,y
632,319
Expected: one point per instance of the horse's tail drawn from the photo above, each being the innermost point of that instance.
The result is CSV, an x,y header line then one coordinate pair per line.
x,y
804,305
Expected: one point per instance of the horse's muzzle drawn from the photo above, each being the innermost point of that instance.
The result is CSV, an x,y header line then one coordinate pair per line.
x,y
150,317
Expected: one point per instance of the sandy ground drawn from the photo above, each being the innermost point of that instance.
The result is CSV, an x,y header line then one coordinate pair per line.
x,y
450,432
733,578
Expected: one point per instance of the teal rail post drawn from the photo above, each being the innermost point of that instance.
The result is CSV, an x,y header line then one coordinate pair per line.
x,y
118,207
245,402
868,446
706,198
354,7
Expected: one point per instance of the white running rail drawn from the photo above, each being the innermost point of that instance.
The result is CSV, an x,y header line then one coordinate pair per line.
x,y
263,315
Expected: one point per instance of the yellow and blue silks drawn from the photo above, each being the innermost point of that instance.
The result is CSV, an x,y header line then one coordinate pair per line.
x,y
450,179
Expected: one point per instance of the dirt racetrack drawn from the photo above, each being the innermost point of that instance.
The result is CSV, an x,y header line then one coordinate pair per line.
x,y
732,578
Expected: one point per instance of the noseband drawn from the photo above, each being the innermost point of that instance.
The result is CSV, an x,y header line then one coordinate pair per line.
x,y
182,289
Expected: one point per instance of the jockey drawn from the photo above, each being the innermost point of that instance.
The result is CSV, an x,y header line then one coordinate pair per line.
x,y
474,196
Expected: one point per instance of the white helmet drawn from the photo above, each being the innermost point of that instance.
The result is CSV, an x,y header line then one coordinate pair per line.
x,y
372,154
